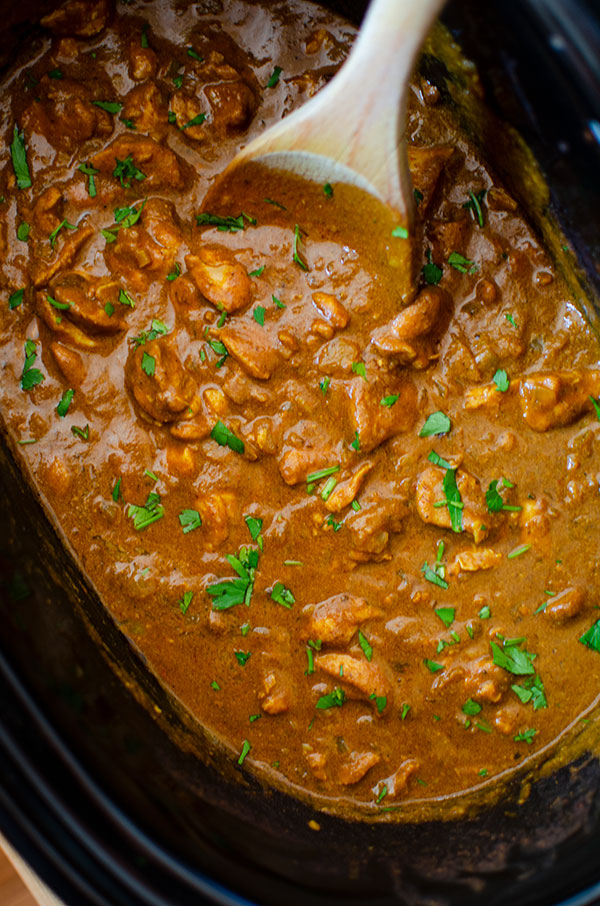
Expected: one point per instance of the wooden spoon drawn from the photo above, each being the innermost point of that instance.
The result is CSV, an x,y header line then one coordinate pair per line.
x,y
352,131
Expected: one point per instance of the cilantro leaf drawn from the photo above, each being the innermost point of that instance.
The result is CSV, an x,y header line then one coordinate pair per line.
x,y
432,274
436,423
462,264
446,615
367,648
282,595
148,364
297,256
231,592
226,438
18,155
108,106
225,224
146,515
126,170
65,402
189,520
16,299
333,699
513,659
501,380
525,736
471,708
254,526
274,79
390,400
591,637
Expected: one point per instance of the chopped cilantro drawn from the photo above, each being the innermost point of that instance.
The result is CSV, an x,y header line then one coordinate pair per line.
x,y
226,438
23,232
471,708
82,433
474,205
432,274
432,666
513,659
390,400
157,329
485,612
144,36
63,224
194,55
436,423
532,690
459,263
434,575
254,526
126,170
15,299
278,302
360,369
356,442
276,204
404,711
30,376
185,601
382,793
145,515
525,736
174,273
333,699
297,256
336,526
225,224
65,402
446,615
511,320
246,747
591,637
257,272
324,385
418,196
189,520
596,405
231,592
400,232
243,657
282,595
380,702
195,121
328,190
18,155
274,78
108,106
178,81
501,380
259,315
55,73
148,364
116,491
367,648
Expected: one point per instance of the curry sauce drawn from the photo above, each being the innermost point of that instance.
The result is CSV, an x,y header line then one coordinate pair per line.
x,y
356,538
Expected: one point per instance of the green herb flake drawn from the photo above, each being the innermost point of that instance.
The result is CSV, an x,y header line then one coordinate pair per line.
x,y
23,232
146,515
185,601
404,711
446,615
116,491
591,637
148,364
274,79
432,274
356,442
297,256
389,401
126,170
231,592
246,747
380,702
226,438
174,273
55,73
596,405
501,380
195,121
519,551
382,794
436,424
471,708
333,699
194,55
259,315
64,224
282,595
336,526
328,190
81,433
433,666
278,302
511,320
366,647
189,520
513,659
242,657
474,205
16,299
433,575
18,154
258,272
360,369
400,232
525,736
30,376
254,526
144,37
324,385
108,106
459,263
65,402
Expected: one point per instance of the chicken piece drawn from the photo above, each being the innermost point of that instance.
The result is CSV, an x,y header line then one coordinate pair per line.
x,y
534,519
251,345
188,107
331,309
346,491
147,110
160,221
374,422
184,292
358,765
81,18
91,301
426,165
449,236
277,695
476,519
308,447
335,620
479,678
566,604
160,385
160,166
216,510
138,259
412,338
232,106
336,357
220,278
43,270
487,396
365,678
472,561
370,528
61,327
62,111
143,62
46,217
554,399
70,364
317,762
397,782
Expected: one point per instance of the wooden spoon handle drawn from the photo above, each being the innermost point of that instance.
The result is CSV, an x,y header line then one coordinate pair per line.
x,y
358,119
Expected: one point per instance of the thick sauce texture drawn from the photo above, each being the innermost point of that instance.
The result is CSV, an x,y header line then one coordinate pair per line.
x,y
357,540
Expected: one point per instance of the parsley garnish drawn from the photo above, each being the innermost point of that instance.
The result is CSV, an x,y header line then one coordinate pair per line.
x,y
259,315
360,369
471,708
226,438
174,274
591,637
23,232
83,433
328,190
231,592
63,224
282,595
380,702
195,121
157,329
533,691
126,170
501,380
432,666
108,106
243,657
246,747
18,155
459,263
274,79
143,516
446,615
148,364
90,172
30,376
474,205
367,648
214,685
432,274
190,520
333,699
436,423
16,299
525,736
185,601
225,224
390,400
194,55
297,256
400,232
65,402
513,659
